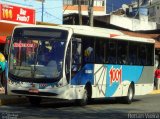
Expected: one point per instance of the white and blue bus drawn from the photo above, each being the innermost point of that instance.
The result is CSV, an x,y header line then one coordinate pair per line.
x,y
78,63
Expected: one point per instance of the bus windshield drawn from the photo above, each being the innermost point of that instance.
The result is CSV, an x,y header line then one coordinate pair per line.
x,y
37,54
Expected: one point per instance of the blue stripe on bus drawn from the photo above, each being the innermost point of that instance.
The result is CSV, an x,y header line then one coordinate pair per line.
x,y
83,76
129,73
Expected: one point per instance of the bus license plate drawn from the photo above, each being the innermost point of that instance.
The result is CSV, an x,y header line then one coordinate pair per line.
x,y
33,90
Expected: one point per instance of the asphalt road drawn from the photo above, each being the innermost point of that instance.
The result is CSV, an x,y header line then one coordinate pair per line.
x,y
144,107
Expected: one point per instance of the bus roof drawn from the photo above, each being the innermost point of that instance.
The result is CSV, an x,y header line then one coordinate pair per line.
x,y
106,33
95,32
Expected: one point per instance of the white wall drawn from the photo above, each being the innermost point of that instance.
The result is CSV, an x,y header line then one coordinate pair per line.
x,y
133,24
96,13
154,1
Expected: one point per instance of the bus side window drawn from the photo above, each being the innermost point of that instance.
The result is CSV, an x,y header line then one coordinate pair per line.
x,y
99,51
76,54
122,57
88,50
89,54
132,53
142,54
112,52
149,50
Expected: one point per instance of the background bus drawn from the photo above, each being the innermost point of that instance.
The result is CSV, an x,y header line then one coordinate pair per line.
x,y
78,62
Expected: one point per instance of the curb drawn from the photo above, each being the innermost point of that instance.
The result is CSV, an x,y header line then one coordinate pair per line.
x,y
5,100
155,92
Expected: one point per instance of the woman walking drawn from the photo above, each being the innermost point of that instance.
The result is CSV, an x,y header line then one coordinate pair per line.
x,y
157,78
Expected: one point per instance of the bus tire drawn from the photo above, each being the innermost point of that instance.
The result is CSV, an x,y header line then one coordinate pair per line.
x,y
86,96
84,100
129,98
35,101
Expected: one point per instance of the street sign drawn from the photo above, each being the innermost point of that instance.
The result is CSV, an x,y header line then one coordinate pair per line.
x,y
17,14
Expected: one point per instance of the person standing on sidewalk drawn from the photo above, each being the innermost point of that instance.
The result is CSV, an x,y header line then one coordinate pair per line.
x,y
157,78
2,68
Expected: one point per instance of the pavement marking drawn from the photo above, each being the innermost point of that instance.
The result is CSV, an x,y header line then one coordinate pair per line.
x,y
155,92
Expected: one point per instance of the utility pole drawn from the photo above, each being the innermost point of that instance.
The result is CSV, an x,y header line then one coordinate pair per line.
x,y
90,12
42,10
138,4
112,7
42,1
79,12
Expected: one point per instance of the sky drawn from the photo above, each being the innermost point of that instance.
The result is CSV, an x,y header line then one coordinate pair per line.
x,y
53,9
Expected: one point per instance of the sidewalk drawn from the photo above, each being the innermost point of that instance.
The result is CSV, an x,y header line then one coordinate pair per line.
x,y
155,92
6,99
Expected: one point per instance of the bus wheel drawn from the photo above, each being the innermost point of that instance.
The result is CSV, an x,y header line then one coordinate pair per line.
x,y
35,101
130,95
83,102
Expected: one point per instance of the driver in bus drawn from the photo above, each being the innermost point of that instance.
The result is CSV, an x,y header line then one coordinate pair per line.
x,y
43,54
56,53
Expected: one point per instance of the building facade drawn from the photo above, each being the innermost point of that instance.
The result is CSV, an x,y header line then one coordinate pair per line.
x,y
113,5
154,11
71,6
